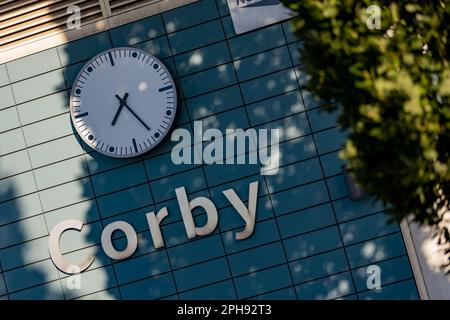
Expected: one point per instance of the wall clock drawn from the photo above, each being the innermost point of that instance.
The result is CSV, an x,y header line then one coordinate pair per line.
x,y
123,102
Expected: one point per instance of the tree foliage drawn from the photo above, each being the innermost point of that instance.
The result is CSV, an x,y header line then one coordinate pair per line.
x,y
393,85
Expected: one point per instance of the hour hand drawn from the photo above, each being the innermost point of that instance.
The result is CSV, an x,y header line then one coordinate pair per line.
x,y
122,104
132,112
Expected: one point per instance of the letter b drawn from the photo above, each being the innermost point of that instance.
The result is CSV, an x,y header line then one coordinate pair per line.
x,y
186,212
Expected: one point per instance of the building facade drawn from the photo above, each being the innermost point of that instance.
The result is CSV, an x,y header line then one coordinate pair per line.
x,y
311,241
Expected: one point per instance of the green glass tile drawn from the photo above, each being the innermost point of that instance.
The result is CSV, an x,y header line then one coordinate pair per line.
x,y
306,196
14,163
17,186
70,72
118,179
54,151
189,39
337,187
219,173
332,163
93,281
9,119
7,98
61,172
232,119
83,49
310,99
347,209
195,251
208,80
262,63
201,274
189,15
405,290
43,108
258,258
23,230
256,41
327,288
306,220
3,291
158,47
262,281
318,266
121,201
367,227
275,108
217,101
228,27
297,149
288,32
31,275
36,250
49,291
372,251
202,58
11,141
162,165
47,130
219,291
20,208
295,53
283,294
4,78
85,211
330,140
269,86
223,7
32,65
136,32
321,119
109,294
66,194
293,175
150,288
98,162
312,243
38,86
393,270
164,189
289,128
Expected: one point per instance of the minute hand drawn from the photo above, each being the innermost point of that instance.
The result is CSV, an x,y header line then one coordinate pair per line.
x,y
133,113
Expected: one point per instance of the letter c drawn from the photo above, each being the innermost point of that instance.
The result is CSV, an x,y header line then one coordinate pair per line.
x,y
55,250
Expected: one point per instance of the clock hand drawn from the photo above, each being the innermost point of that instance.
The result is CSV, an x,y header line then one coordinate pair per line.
x,y
133,113
119,110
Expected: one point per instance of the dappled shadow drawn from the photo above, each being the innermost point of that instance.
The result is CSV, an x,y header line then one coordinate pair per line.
x,y
17,227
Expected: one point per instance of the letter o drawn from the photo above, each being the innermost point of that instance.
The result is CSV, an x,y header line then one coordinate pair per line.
x,y
108,246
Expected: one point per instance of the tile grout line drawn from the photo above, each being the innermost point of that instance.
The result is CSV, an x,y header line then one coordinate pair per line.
x,y
264,178
4,281
89,176
403,255
202,166
32,171
325,180
266,220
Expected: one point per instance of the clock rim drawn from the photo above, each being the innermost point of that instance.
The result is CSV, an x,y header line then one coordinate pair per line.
x,y
171,124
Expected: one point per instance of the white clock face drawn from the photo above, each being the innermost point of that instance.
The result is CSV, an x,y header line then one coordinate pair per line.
x,y
123,102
